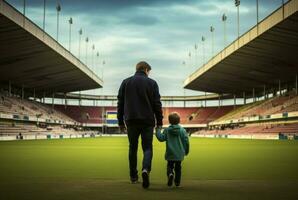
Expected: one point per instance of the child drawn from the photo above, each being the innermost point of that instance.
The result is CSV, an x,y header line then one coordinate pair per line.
x,y
177,146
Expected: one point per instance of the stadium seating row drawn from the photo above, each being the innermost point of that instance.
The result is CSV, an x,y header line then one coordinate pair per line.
x,y
283,128
278,104
189,115
10,128
196,115
16,106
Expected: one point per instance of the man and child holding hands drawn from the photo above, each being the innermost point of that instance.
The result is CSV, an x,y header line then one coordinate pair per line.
x,y
139,111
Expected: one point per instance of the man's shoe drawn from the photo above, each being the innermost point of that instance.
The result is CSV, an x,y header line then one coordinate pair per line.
x,y
145,176
177,184
134,180
170,179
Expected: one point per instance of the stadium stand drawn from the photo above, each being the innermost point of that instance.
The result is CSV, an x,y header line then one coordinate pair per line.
x,y
278,104
189,115
26,108
280,128
28,117
196,115
233,124
8,128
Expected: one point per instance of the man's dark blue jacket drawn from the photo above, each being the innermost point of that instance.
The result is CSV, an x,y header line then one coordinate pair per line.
x,y
139,101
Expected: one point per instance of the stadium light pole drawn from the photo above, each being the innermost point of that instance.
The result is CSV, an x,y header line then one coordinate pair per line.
x,y
102,73
283,8
237,4
257,10
97,60
212,40
224,19
24,7
184,90
203,48
44,15
93,51
98,65
196,54
80,35
103,63
86,40
70,23
58,8
189,55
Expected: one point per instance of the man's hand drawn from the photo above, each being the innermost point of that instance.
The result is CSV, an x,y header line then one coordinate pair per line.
x,y
122,128
158,128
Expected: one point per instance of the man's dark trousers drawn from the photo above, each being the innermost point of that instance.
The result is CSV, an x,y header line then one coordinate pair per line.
x,y
146,132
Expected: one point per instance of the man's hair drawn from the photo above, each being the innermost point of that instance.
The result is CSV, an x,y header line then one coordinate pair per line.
x,y
143,66
174,118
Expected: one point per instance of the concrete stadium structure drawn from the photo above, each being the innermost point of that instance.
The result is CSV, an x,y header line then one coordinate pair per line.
x,y
262,60
32,60
163,98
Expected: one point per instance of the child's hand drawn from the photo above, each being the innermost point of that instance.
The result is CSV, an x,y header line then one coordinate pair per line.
x,y
157,129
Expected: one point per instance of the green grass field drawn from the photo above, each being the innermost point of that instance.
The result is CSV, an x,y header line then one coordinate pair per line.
x,y
98,169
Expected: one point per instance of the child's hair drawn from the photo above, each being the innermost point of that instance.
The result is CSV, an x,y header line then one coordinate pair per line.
x,y
174,118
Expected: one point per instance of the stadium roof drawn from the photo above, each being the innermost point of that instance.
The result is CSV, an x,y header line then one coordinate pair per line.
x,y
261,57
33,59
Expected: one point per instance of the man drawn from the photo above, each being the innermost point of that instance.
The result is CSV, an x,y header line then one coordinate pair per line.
x,y
139,107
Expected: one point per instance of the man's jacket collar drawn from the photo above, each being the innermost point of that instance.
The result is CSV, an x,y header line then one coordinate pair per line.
x,y
140,73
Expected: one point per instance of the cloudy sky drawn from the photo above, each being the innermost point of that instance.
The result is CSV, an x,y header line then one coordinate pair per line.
x,y
161,32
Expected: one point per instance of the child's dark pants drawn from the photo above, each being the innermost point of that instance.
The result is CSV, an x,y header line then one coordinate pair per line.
x,y
174,166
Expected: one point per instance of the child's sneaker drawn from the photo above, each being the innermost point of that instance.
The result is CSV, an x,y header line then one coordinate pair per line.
x,y
177,184
170,179
145,176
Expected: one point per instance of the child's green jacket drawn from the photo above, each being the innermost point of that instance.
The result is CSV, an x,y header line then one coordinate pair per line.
x,y
177,143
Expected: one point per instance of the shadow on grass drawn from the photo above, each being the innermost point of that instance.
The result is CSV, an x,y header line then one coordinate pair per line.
x,y
79,189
